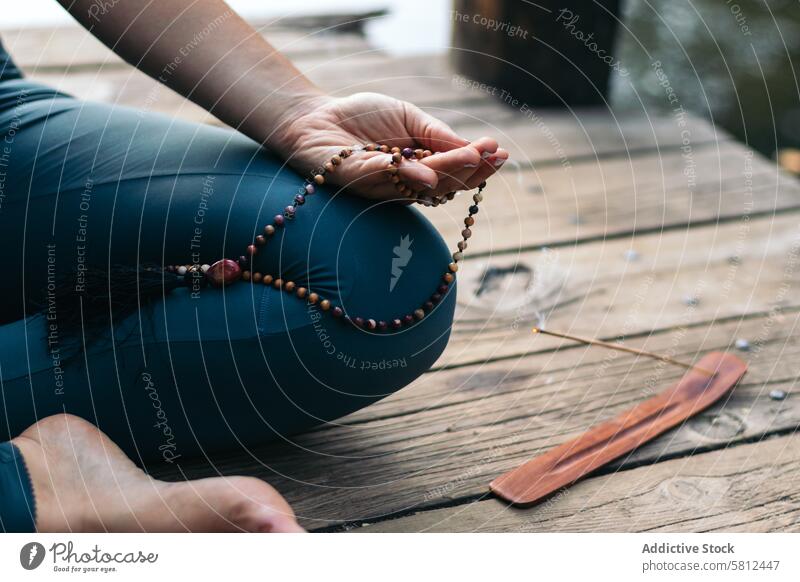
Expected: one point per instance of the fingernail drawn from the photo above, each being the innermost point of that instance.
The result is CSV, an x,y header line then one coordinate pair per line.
x,y
499,162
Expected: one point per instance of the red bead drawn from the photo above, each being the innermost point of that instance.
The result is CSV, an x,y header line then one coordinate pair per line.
x,y
359,321
337,312
278,219
436,297
251,250
371,324
408,319
443,289
382,325
397,324
428,306
223,272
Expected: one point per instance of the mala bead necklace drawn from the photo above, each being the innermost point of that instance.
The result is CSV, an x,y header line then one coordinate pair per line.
x,y
228,271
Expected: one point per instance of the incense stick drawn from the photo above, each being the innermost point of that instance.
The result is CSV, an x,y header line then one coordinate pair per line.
x,y
621,348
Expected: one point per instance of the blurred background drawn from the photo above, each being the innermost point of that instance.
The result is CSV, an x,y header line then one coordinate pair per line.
x,y
732,62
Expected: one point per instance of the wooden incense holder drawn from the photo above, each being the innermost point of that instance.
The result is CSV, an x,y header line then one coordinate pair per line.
x,y
567,463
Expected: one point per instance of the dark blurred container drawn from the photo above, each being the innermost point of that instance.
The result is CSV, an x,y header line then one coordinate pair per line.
x,y
545,53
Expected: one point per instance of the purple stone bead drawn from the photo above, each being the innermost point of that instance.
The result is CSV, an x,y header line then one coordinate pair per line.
x,y
408,319
443,289
371,324
436,297
278,220
309,188
288,212
407,153
382,325
300,199
359,321
243,261
397,324
337,312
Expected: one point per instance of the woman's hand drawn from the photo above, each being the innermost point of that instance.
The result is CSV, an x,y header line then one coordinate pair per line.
x,y
324,125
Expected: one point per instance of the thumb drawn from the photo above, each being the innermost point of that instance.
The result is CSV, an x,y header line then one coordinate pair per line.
x,y
431,132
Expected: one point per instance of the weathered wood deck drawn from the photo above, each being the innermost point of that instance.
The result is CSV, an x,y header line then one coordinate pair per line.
x,y
606,227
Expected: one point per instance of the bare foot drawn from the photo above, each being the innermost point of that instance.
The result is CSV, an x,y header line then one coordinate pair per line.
x,y
83,482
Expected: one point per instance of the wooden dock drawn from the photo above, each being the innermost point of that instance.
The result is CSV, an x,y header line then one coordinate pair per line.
x,y
654,226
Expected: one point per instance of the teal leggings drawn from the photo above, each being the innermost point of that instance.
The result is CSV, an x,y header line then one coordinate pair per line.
x,y
85,185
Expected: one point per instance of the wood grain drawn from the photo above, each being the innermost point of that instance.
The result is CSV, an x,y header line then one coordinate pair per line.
x,y
747,488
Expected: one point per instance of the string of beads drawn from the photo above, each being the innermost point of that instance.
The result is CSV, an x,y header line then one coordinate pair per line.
x,y
228,271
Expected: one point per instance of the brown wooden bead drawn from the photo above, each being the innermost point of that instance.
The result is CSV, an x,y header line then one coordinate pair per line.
x,y
469,221
418,154
462,244
466,233
384,149
448,277
313,298
428,306
252,250
268,279
325,304
269,230
427,153
245,275
289,286
397,157
395,179
453,267
419,313
302,292
458,256
395,150
336,160
319,179
477,197
277,283
370,147
257,277
260,240
392,169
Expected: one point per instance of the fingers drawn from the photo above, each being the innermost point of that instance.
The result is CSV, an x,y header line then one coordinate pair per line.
x,y
456,167
487,168
429,179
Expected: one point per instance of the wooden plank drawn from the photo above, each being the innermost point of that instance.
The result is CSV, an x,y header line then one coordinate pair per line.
x,y
612,197
458,429
600,289
748,488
